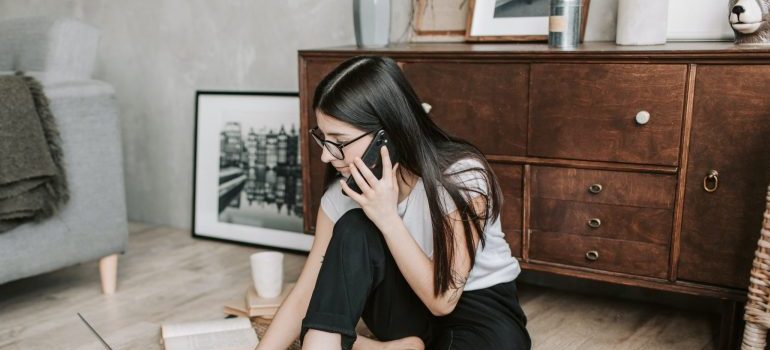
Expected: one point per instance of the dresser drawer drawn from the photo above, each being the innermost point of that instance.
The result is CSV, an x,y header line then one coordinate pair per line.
x,y
636,258
604,186
649,225
484,103
597,112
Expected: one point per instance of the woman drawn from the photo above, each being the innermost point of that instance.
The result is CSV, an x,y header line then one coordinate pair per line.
x,y
413,254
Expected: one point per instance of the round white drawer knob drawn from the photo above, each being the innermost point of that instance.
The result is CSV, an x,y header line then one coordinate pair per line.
x,y
642,117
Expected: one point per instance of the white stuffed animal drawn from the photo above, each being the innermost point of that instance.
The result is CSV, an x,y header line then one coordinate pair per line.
x,y
749,19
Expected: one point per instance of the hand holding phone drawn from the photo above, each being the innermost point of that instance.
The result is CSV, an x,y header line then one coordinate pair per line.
x,y
373,160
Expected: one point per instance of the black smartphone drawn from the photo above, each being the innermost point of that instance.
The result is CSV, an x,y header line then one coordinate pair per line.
x,y
373,160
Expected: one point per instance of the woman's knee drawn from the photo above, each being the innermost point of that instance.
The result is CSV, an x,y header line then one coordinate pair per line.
x,y
355,225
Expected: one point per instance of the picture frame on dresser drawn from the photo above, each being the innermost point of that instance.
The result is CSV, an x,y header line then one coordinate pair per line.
x,y
513,20
247,184
439,20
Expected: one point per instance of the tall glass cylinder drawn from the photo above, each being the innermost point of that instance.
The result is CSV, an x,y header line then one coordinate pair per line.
x,y
564,24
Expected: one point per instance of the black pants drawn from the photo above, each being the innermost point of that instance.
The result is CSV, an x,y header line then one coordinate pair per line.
x,y
360,279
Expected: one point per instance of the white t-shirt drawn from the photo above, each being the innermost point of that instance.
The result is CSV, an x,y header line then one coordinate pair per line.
x,y
494,263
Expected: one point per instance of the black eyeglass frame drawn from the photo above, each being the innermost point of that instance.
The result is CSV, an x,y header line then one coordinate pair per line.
x,y
338,145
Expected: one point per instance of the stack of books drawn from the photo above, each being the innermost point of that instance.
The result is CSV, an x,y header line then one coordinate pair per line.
x,y
252,305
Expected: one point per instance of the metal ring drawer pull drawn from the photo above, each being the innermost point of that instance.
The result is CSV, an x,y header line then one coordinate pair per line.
x,y
643,117
595,188
712,175
592,255
594,223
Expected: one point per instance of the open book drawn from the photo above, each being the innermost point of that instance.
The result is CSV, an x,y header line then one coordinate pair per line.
x,y
224,334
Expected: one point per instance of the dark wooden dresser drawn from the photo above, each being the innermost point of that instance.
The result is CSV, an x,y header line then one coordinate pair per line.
x,y
638,166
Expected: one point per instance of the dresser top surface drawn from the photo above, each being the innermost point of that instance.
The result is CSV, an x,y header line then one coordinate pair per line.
x,y
609,49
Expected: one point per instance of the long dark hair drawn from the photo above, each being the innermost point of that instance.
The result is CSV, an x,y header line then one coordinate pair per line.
x,y
371,92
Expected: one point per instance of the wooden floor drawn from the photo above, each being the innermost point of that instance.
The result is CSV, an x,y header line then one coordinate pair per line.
x,y
166,276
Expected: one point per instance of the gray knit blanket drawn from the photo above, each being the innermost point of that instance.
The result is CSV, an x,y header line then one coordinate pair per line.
x,y
33,184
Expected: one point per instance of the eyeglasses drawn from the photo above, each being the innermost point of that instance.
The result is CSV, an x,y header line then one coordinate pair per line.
x,y
335,149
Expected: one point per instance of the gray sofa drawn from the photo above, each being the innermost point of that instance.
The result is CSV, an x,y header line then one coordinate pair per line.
x,y
61,54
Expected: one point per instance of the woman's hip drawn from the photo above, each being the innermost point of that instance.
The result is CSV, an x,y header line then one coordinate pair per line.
x,y
489,316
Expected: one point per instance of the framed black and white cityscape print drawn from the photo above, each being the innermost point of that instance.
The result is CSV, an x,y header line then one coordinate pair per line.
x,y
248,178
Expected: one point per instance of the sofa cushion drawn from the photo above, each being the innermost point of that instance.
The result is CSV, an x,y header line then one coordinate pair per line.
x,y
64,48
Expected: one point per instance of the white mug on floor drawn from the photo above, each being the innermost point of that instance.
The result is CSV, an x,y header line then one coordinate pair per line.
x,y
267,273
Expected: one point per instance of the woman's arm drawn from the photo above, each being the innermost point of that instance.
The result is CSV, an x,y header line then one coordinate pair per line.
x,y
417,268
287,323
379,200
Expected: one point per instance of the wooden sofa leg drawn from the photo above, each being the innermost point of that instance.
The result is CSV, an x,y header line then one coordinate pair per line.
x,y
108,270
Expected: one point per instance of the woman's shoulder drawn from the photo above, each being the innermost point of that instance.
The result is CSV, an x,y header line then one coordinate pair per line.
x,y
335,203
467,170
464,164
334,191
470,177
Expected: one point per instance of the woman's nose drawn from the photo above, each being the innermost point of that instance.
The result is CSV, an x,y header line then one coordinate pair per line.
x,y
326,156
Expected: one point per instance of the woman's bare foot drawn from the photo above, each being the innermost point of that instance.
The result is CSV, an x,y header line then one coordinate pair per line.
x,y
408,343
364,343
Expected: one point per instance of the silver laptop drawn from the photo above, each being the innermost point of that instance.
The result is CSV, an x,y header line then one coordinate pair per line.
x,y
106,346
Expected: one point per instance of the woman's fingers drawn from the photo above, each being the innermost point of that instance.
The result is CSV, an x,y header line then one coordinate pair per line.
x,y
395,176
365,171
354,172
386,165
352,194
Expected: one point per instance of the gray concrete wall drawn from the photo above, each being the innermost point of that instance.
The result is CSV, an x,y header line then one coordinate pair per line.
x,y
157,53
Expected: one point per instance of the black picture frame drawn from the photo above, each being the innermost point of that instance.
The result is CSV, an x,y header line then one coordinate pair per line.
x,y
249,170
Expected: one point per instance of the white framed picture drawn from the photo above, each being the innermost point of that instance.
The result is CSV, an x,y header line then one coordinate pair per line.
x,y
248,178
704,20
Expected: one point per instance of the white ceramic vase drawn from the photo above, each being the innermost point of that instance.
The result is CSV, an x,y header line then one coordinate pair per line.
x,y
371,21
642,22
